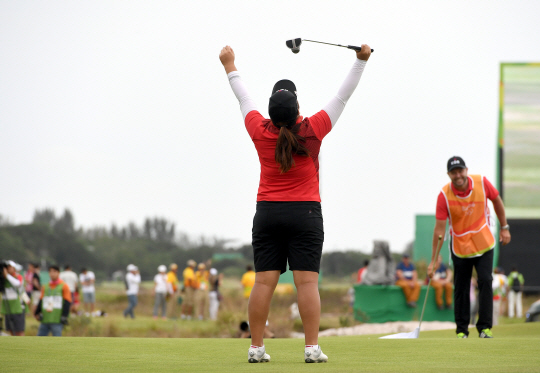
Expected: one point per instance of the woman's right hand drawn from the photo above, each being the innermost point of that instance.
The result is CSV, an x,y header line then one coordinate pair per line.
x,y
364,53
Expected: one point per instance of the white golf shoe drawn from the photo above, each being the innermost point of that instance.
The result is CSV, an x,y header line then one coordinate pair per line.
x,y
315,355
258,355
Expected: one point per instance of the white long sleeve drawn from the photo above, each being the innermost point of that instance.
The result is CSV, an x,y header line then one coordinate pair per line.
x,y
13,281
241,92
335,106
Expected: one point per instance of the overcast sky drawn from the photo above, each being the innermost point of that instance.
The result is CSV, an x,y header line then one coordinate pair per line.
x,y
121,110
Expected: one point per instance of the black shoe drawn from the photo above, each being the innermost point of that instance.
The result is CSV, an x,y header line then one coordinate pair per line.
x,y
440,308
411,304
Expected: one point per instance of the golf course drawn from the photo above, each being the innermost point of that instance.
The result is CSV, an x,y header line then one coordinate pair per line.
x,y
514,349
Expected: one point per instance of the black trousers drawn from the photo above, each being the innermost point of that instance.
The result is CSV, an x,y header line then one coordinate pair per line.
x,y
462,287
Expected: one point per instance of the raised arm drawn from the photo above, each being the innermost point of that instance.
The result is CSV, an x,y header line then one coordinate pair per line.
x,y
247,104
335,107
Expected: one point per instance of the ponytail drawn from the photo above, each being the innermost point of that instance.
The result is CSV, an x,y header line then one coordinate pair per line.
x,y
289,142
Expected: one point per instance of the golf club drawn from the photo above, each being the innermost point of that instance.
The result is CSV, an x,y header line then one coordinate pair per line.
x,y
439,244
416,332
294,45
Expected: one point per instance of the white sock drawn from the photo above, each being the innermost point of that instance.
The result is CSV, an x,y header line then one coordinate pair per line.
x,y
316,347
252,346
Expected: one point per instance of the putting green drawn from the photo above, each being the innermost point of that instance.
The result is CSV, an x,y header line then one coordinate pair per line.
x,y
514,349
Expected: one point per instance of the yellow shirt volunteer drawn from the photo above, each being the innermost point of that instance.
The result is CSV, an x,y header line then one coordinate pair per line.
x,y
202,279
190,281
173,280
248,280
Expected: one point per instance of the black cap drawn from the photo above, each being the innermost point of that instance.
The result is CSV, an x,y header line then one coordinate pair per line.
x,y
284,84
455,162
405,255
283,108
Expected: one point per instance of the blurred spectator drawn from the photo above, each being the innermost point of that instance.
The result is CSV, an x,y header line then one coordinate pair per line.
x,y
36,287
381,269
515,285
70,278
162,288
87,280
53,307
202,293
190,286
442,283
172,279
214,281
407,279
28,279
133,280
248,281
75,302
12,309
362,272
499,289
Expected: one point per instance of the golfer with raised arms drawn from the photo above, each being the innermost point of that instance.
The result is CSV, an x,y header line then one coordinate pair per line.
x,y
288,223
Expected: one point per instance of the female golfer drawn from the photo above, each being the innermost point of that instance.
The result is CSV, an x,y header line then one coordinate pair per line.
x,y
288,223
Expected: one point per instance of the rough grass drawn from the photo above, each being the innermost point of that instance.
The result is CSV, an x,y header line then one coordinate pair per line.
x,y
111,297
514,349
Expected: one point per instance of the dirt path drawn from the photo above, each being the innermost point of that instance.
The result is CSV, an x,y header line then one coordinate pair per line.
x,y
386,328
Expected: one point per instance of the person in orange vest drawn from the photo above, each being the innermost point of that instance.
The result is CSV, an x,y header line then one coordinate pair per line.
x,y
463,202
442,283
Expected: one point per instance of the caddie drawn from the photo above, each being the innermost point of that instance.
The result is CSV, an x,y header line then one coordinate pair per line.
x,y
463,202
53,307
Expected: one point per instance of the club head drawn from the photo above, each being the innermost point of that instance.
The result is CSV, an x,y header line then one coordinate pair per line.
x,y
294,44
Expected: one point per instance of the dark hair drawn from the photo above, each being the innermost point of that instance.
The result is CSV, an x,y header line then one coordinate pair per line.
x,y
289,142
249,268
55,267
67,266
283,110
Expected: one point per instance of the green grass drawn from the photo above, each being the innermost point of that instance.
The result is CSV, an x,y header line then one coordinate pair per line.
x,y
514,349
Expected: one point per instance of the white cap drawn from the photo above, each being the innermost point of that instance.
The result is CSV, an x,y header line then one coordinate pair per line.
x,y
11,263
131,267
162,269
213,271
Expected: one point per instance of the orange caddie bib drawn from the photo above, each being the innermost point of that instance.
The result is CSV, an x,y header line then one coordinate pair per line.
x,y
469,227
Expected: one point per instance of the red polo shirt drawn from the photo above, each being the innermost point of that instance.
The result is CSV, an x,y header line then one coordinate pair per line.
x,y
301,182
442,208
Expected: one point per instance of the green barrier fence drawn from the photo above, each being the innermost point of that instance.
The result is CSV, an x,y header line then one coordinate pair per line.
x,y
383,303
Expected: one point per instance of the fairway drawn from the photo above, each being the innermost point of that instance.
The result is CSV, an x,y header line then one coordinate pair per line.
x,y
514,349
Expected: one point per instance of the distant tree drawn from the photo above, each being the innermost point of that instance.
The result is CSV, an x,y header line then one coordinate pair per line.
x,y
46,216
133,231
342,263
65,224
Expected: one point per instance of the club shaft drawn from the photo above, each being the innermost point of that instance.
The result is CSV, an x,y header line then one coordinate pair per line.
x,y
439,244
337,45
320,42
